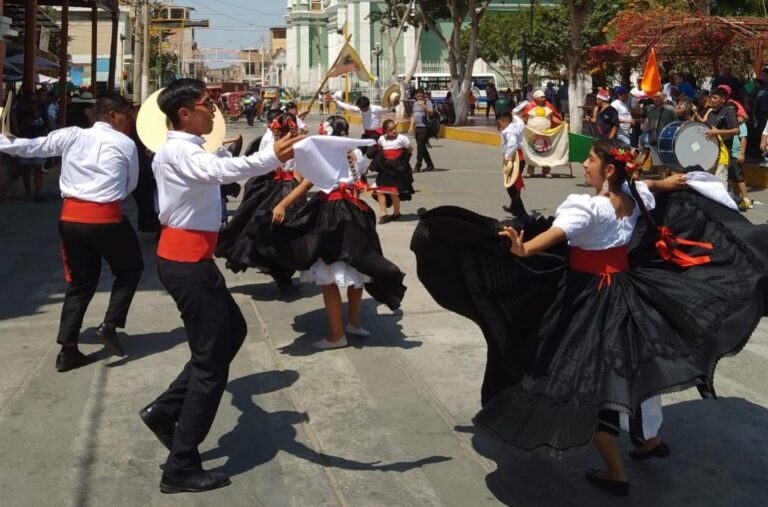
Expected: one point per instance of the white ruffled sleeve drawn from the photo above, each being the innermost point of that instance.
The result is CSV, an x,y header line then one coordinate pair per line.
x,y
575,214
645,194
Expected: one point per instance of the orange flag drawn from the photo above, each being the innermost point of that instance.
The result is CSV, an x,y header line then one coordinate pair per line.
x,y
651,77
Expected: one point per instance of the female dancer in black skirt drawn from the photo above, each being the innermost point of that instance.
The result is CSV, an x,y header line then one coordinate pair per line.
x,y
332,239
395,178
248,241
629,309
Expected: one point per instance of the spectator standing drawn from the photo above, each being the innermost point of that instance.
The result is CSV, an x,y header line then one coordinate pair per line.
x,y
471,100
422,111
562,98
726,77
659,114
32,124
735,174
491,95
550,93
760,107
606,118
249,107
621,105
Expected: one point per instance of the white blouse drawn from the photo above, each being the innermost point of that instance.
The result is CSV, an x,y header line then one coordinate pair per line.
x,y
590,222
400,142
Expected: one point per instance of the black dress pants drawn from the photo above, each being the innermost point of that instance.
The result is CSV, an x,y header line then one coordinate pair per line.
x,y
215,330
422,153
82,248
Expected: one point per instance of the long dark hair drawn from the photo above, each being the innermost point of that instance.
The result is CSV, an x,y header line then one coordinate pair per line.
x,y
603,149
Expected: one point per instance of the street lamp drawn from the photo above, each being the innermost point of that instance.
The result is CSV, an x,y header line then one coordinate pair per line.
x,y
377,51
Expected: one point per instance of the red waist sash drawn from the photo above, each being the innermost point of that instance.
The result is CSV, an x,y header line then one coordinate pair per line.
x,y
282,175
184,245
379,132
347,192
600,262
87,212
393,153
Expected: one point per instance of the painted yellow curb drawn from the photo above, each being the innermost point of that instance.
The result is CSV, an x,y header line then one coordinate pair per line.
x,y
755,176
470,136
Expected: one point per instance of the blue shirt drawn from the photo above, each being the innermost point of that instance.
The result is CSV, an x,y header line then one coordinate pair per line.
x,y
736,151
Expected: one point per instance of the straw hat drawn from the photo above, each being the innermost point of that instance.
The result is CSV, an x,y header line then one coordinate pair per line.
x,y
511,171
390,96
152,126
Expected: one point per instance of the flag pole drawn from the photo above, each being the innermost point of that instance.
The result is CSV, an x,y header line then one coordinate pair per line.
x,y
325,80
346,76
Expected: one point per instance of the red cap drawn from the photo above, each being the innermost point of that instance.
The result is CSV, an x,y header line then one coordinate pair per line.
x,y
727,89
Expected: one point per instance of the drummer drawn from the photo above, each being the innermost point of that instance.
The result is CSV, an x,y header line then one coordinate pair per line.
x,y
724,124
658,115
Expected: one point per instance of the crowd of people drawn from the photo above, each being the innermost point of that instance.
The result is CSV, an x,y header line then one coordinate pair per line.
x,y
736,114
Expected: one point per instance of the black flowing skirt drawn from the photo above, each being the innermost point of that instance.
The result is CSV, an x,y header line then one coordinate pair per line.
x,y
340,231
248,240
562,347
394,173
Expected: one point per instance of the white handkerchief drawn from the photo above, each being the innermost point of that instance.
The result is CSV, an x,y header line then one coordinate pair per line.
x,y
323,159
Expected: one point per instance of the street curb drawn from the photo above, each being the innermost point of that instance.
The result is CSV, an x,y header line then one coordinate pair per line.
x,y
754,175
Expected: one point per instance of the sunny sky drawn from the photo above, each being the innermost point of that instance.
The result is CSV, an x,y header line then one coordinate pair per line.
x,y
235,23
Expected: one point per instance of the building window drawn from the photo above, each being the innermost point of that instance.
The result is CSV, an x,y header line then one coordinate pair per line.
x,y
316,5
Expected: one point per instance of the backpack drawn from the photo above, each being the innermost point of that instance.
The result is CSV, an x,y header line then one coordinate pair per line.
x,y
433,123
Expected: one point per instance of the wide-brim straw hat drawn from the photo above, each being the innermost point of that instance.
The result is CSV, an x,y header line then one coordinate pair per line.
x,y
390,96
152,126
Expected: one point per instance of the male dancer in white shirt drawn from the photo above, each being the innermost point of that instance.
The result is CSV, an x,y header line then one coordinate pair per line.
x,y
99,169
371,115
188,180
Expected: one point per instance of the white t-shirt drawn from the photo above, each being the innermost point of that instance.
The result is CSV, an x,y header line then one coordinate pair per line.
x,y
624,115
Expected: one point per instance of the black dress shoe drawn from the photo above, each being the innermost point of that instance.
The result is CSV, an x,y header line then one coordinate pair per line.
x,y
508,209
384,219
201,481
108,336
159,423
660,451
614,487
66,361
394,217
429,168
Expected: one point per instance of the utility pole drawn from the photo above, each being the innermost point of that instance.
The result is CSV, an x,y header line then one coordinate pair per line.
x,y
145,52
262,58
138,50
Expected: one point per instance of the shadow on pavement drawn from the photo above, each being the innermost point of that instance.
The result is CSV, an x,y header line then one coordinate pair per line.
x,y
267,291
718,459
142,345
259,435
386,330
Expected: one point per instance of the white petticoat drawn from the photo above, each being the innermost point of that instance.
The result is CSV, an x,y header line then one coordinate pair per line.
x,y
340,274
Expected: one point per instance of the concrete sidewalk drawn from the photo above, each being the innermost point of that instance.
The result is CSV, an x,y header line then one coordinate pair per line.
x,y
384,422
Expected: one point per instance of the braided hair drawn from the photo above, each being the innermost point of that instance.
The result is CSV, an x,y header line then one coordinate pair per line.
x,y
622,157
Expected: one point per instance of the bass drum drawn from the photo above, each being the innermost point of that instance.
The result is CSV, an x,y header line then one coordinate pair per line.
x,y
683,144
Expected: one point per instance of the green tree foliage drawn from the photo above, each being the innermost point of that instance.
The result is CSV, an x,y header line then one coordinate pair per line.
x,y
501,34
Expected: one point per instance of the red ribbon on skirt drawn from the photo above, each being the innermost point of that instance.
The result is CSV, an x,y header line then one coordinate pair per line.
x,y
667,243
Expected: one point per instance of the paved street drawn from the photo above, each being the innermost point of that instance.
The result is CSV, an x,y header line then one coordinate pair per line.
x,y
385,422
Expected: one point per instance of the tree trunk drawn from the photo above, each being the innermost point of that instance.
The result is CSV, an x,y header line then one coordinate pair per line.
x,y
577,79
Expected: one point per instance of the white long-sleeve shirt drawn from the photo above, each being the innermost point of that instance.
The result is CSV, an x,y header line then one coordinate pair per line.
x,y
371,118
512,137
99,164
188,179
